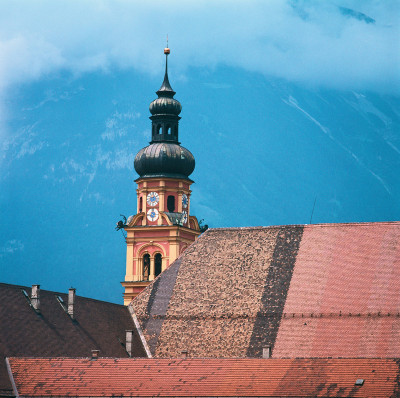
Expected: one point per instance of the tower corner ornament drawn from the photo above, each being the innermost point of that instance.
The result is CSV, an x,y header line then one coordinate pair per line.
x,y
163,226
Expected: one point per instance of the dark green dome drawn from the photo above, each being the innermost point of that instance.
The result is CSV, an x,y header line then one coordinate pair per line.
x,y
165,105
164,157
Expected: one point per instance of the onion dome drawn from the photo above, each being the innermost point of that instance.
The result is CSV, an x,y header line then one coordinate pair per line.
x,y
164,157
165,105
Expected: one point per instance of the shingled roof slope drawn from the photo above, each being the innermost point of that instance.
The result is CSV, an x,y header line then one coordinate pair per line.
x,y
97,325
46,377
328,290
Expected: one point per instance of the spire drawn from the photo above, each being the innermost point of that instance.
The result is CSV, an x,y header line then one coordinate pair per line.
x,y
166,89
165,111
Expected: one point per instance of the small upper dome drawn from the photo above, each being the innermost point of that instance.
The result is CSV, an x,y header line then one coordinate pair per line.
x,y
164,159
165,105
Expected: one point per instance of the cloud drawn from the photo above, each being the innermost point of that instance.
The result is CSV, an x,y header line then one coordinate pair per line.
x,y
117,126
29,148
98,198
11,246
118,158
343,44
53,96
24,142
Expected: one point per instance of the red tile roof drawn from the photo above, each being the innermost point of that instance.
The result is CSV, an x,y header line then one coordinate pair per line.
x,y
328,290
52,333
344,293
205,377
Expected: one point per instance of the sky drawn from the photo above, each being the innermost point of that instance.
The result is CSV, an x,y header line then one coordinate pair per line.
x,y
348,44
291,108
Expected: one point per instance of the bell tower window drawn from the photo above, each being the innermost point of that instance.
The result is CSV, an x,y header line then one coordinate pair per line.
x,y
140,204
171,203
157,264
146,267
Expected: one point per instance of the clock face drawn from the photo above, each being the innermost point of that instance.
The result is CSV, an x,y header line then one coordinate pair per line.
x,y
152,214
152,198
185,201
184,218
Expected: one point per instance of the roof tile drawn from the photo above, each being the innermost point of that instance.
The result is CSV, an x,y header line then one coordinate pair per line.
x,y
97,325
205,377
308,291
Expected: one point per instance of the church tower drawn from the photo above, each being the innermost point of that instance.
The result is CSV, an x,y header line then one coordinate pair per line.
x,y
163,226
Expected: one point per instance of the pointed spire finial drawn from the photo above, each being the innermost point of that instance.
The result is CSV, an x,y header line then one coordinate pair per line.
x,y
166,88
166,52
166,49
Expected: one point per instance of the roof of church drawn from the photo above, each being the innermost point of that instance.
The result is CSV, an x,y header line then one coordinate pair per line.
x,y
82,377
327,290
24,332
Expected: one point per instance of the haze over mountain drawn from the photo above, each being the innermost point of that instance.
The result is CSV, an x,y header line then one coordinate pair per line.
x,y
294,103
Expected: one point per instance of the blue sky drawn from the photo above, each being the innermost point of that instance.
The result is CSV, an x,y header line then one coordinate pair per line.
x,y
284,103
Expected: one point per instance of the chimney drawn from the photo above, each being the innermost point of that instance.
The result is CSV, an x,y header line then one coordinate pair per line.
x,y
184,353
95,354
71,301
266,353
35,297
128,344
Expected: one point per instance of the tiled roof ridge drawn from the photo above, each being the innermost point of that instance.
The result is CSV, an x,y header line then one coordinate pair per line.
x,y
345,224
305,315
57,293
205,377
180,359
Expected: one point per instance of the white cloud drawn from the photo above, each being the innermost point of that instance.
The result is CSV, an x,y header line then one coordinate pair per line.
x,y
24,142
26,57
307,41
53,96
29,148
99,198
11,246
117,126
112,159
119,158
72,165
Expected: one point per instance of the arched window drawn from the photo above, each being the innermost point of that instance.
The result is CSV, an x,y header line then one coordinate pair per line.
x,y
140,204
157,264
168,129
146,267
159,128
171,203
